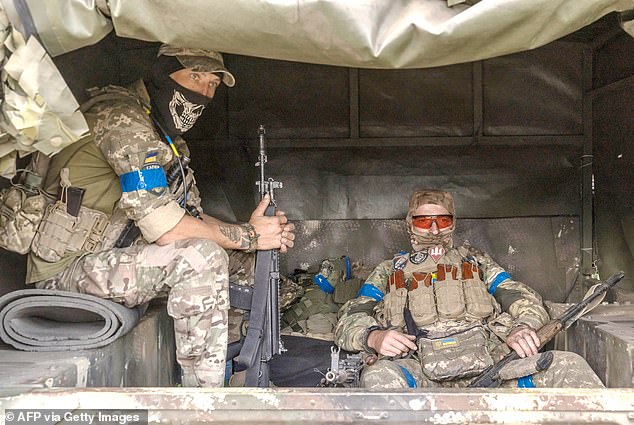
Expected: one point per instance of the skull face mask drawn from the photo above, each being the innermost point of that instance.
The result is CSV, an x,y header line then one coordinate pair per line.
x,y
184,113
174,106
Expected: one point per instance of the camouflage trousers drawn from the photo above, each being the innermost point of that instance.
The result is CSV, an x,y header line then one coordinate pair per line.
x,y
193,275
567,370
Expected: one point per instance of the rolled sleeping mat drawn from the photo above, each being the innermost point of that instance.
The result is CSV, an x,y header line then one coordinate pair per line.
x,y
50,320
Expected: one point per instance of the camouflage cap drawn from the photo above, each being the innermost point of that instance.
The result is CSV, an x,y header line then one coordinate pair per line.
x,y
199,60
425,239
430,196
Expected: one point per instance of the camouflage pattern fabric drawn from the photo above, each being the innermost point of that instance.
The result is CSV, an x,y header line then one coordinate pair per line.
x,y
567,370
315,314
290,292
125,134
123,141
193,274
521,302
20,214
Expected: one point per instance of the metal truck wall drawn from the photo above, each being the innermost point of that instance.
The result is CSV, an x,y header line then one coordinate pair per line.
x,y
613,137
503,134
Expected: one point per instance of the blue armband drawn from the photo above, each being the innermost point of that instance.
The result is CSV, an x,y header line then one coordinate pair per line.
x,y
369,290
145,179
526,382
411,382
501,277
323,283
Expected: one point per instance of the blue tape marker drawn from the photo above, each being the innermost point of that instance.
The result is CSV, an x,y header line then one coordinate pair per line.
x,y
501,277
324,284
145,179
368,290
411,382
526,382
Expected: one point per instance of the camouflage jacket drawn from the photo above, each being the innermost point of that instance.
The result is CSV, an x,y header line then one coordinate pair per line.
x,y
127,138
520,304
123,140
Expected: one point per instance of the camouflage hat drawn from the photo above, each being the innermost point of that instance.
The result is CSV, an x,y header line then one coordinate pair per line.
x,y
421,240
430,196
199,60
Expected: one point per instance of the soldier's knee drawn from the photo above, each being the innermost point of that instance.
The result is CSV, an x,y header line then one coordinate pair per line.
x,y
210,250
567,357
204,254
383,374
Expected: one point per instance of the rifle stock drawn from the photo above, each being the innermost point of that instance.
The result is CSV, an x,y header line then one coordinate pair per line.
x,y
489,378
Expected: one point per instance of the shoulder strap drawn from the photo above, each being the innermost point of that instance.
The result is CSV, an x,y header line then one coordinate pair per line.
x,y
110,92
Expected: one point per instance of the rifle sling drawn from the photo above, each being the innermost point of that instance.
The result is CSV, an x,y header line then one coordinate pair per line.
x,y
589,307
257,318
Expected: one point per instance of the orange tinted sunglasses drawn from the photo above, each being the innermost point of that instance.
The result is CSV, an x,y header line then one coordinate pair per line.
x,y
425,221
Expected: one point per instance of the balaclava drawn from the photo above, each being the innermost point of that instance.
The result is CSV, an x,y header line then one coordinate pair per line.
x,y
175,107
422,240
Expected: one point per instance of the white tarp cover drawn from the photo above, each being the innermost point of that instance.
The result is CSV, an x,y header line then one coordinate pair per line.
x,y
37,109
355,33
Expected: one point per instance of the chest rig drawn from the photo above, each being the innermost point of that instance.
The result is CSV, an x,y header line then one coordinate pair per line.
x,y
447,290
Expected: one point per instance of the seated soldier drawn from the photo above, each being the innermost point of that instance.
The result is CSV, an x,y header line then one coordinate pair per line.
x,y
469,309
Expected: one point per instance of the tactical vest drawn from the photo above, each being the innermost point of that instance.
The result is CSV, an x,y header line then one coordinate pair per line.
x,y
448,290
62,237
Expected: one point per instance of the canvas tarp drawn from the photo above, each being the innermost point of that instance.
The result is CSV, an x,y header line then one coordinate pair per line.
x,y
363,34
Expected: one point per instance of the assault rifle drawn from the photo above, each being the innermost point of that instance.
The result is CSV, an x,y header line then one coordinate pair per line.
x,y
263,341
490,377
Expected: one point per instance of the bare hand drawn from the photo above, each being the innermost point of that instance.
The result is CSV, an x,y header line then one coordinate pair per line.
x,y
274,232
391,343
524,341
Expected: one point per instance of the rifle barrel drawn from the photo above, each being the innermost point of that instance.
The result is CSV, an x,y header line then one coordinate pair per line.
x,y
572,311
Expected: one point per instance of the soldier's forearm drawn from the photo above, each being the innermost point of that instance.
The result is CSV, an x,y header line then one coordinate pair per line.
x,y
228,236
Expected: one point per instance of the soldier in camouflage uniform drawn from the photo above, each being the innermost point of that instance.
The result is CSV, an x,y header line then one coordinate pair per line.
x,y
468,309
181,253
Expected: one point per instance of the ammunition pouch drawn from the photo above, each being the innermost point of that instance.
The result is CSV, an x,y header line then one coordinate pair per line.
x,y
394,304
462,354
449,293
21,212
422,303
479,303
61,233
450,300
